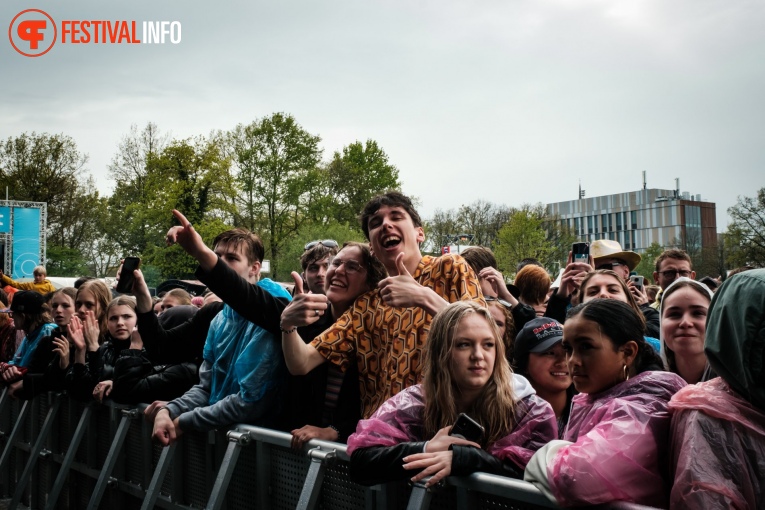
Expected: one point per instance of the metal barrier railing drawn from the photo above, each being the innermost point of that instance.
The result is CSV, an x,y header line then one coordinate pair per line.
x,y
65,455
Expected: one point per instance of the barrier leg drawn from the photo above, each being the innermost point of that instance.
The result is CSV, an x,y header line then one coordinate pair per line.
x,y
74,445
35,452
262,475
420,498
3,399
112,456
320,460
159,475
17,428
236,441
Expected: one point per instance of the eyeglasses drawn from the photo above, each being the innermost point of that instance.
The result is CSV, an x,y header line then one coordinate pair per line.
x,y
611,265
329,243
351,266
502,302
672,273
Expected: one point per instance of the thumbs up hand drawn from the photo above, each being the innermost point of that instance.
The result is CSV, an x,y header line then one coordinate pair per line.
x,y
305,307
401,290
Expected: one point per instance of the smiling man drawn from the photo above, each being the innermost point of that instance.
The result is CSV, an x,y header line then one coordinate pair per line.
x,y
386,328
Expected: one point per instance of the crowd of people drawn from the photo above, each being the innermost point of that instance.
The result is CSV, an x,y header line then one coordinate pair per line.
x,y
590,387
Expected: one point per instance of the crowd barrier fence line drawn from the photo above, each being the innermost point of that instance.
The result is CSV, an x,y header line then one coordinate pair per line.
x,y
61,454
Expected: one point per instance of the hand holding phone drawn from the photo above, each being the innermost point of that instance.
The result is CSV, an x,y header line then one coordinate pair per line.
x,y
467,428
580,252
125,283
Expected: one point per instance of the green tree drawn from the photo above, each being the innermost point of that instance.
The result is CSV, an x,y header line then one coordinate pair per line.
x,y
746,233
129,201
289,257
440,229
191,176
648,261
483,220
49,168
355,176
523,236
276,173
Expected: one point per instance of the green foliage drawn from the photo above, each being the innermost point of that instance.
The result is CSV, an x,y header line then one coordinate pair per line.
x,y
745,236
648,261
293,249
276,161
68,262
355,176
48,168
522,236
172,261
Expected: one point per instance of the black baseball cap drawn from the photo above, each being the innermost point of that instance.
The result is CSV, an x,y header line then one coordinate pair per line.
x,y
537,335
26,301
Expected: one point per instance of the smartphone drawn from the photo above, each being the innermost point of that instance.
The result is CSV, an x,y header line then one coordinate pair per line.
x,y
638,281
125,283
467,428
580,252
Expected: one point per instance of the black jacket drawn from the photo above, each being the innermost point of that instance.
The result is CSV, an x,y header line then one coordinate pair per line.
x,y
80,380
137,380
380,464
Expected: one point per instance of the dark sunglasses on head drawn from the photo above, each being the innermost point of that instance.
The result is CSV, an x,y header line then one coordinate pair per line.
x,y
329,243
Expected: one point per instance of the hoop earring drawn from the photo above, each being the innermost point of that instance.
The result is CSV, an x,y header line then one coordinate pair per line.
x,y
626,373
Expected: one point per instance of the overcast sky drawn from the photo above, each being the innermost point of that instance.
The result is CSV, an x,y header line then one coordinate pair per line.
x,y
507,101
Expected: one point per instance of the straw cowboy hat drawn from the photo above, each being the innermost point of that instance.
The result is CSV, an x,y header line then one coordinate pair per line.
x,y
606,248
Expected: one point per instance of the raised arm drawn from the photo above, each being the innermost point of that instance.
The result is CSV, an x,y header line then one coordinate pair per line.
x,y
305,308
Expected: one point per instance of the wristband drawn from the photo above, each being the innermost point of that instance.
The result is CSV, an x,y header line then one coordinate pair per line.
x,y
288,331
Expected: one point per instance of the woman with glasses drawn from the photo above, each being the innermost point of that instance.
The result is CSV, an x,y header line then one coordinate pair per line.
x,y
332,409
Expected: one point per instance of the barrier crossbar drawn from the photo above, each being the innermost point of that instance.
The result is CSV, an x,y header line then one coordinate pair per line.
x,y
61,454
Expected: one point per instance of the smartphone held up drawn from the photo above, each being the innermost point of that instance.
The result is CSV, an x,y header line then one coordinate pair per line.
x,y
125,283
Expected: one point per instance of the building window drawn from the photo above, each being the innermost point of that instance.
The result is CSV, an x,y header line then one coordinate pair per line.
x,y
618,222
589,224
633,215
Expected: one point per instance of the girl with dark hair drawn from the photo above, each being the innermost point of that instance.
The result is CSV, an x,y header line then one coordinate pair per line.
x,y
616,440
31,315
539,357
40,377
465,372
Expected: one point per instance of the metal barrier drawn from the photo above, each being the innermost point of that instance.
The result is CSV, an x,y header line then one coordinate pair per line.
x,y
61,454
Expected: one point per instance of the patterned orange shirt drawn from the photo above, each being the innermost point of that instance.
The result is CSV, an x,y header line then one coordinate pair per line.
x,y
388,341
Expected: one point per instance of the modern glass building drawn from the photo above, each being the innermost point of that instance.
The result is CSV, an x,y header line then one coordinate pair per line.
x,y
639,218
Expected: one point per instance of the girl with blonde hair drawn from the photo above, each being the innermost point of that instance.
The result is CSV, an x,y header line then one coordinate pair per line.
x,y
465,372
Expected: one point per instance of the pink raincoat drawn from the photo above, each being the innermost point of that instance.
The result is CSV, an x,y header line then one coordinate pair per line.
x,y
620,445
718,449
400,420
